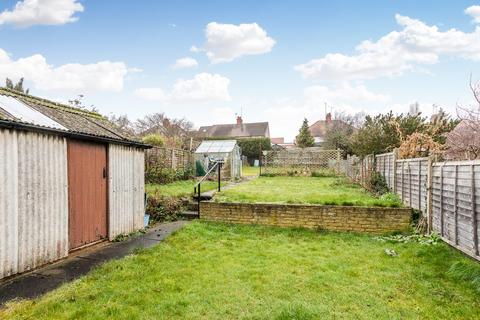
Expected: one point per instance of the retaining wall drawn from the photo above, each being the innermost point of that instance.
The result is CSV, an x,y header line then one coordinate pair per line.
x,y
375,220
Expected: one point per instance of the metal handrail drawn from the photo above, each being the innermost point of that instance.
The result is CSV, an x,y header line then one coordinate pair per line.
x,y
206,174
197,187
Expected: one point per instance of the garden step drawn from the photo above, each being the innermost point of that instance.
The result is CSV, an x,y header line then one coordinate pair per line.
x,y
192,206
204,195
189,215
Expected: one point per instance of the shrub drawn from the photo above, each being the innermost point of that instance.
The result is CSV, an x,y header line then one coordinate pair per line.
x,y
154,139
163,208
251,147
377,183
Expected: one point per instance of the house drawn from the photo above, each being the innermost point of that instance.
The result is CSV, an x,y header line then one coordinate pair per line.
x,y
70,178
279,144
237,130
319,129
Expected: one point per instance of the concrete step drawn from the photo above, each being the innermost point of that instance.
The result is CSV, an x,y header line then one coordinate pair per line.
x,y
189,215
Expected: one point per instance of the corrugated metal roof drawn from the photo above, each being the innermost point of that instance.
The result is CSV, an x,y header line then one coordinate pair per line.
x,y
24,113
27,109
211,146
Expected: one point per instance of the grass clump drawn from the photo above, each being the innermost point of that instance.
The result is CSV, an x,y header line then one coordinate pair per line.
x,y
306,190
466,271
219,271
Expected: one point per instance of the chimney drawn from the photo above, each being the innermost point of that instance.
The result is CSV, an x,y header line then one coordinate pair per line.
x,y
239,120
328,118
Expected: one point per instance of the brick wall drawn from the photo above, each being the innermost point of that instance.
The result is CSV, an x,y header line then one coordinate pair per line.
x,y
337,218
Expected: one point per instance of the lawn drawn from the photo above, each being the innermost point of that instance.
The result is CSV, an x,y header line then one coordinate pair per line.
x,y
217,271
309,190
179,189
248,171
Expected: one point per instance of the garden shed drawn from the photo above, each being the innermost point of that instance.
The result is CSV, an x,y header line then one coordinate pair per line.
x,y
227,151
70,178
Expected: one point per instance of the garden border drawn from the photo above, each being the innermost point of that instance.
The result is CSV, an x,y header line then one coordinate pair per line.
x,y
376,220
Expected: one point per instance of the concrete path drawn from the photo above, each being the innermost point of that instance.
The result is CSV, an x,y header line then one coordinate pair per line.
x,y
45,279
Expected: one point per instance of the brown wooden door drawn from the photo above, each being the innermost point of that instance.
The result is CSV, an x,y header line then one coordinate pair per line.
x,y
87,192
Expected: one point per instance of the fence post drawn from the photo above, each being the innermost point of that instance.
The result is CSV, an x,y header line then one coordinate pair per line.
x,y
173,157
455,205
429,194
403,182
395,151
420,185
409,184
338,161
474,213
441,200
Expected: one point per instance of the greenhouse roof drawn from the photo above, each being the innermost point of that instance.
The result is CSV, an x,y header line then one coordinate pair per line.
x,y
213,146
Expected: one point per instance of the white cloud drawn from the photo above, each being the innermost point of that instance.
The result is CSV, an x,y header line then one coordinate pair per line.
x,y
393,54
41,12
154,94
202,88
286,116
100,76
226,42
186,62
343,95
474,12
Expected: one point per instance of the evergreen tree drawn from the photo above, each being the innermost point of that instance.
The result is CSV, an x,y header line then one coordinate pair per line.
x,y
304,138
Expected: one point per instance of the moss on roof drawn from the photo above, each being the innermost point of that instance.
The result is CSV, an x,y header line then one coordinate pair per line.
x,y
74,119
48,103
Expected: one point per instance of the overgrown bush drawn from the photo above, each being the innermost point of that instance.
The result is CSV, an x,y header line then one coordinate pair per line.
x,y
251,147
377,184
163,208
154,139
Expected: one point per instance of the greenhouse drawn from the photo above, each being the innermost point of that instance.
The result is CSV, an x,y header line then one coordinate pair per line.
x,y
228,151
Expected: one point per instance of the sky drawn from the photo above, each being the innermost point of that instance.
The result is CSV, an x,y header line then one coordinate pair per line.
x,y
275,61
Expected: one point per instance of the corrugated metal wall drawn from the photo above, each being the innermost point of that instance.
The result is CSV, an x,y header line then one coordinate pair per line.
x,y
33,200
126,189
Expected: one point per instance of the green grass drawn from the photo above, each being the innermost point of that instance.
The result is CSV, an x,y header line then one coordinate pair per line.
x,y
217,271
179,188
248,171
309,190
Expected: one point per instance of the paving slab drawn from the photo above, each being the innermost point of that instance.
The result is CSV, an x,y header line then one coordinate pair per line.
x,y
43,280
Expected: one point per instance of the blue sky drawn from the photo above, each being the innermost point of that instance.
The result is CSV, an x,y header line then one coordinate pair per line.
x,y
277,61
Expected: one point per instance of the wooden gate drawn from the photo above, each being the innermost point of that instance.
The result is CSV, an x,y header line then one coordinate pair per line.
x,y
87,192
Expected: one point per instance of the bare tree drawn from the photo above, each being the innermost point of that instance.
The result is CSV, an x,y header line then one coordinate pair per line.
x,y
123,123
159,123
463,142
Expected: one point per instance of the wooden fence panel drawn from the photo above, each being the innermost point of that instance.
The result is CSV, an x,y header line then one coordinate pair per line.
x,y
385,165
411,176
455,204
168,158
